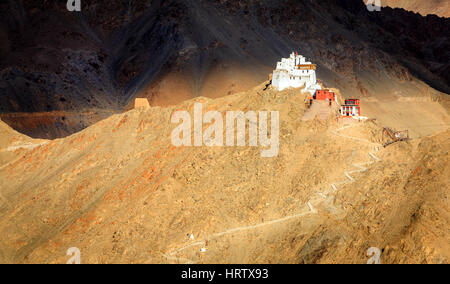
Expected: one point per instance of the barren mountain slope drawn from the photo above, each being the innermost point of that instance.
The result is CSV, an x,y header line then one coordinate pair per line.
x,y
424,7
7,134
13,143
60,63
121,193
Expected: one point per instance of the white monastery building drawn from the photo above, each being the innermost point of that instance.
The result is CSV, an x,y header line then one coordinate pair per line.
x,y
295,72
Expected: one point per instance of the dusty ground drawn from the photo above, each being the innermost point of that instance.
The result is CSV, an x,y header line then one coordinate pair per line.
x,y
121,193
437,7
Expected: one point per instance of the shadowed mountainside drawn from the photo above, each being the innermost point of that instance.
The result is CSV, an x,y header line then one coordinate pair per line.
x,y
99,60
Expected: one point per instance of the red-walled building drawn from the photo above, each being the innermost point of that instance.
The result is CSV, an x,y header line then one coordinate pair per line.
x,y
325,95
351,108
352,102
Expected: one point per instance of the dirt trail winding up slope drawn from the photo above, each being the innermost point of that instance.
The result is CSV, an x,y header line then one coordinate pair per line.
x,y
122,193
